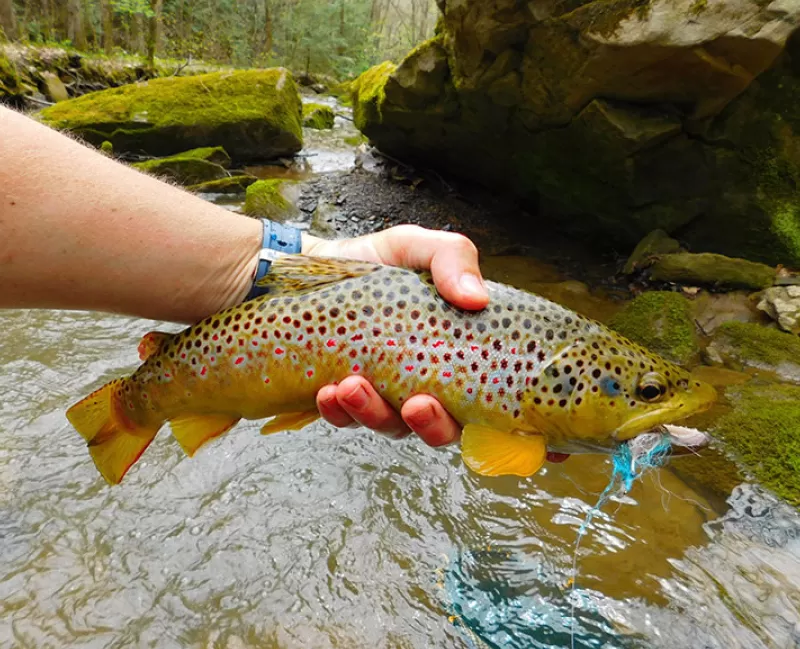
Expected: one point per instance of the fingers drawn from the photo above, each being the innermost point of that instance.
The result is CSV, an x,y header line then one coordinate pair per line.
x,y
354,400
452,259
428,419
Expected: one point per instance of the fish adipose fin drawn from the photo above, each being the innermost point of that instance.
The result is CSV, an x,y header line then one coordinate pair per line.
x,y
293,274
493,452
151,342
289,421
114,441
192,431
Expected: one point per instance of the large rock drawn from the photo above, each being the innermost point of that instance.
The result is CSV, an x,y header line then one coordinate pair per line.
x,y
614,118
253,114
190,167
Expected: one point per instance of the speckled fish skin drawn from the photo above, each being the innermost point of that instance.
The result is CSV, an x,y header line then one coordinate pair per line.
x,y
522,364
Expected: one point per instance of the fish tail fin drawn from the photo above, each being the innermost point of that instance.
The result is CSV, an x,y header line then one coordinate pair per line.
x,y
115,442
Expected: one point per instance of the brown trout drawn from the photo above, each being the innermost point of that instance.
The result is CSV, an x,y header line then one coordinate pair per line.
x,y
522,376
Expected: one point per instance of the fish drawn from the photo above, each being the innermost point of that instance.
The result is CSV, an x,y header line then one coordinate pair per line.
x,y
522,377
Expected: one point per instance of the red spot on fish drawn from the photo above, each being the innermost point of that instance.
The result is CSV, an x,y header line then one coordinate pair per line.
x,y
409,368
438,343
331,343
469,390
266,380
167,375
513,350
474,348
495,380
213,359
357,337
447,375
279,351
309,373
390,343
215,337
203,371
300,337
239,360
353,353
287,319
356,367
183,355
255,343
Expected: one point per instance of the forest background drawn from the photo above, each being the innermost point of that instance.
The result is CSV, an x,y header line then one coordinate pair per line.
x,y
338,37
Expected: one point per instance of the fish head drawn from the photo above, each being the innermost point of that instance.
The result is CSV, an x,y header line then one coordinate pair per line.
x,y
604,389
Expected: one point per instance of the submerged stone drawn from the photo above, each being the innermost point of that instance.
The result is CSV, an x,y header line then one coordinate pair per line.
x,y
190,167
253,114
763,433
318,116
662,322
739,345
708,269
272,199
53,88
230,185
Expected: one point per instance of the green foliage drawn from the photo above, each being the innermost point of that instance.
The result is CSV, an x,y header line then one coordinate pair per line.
x,y
337,37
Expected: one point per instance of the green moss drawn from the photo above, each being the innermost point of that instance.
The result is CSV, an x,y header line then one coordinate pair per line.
x,y
662,322
698,6
763,432
9,77
254,114
189,167
707,269
355,140
318,116
107,148
229,185
368,95
267,198
748,342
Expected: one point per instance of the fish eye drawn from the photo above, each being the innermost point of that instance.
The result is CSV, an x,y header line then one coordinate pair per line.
x,y
651,388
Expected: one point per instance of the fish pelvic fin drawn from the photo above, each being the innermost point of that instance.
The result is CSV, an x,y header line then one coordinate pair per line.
x,y
493,452
193,431
293,274
290,421
115,442
151,343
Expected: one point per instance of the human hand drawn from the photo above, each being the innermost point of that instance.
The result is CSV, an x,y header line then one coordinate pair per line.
x,y
453,262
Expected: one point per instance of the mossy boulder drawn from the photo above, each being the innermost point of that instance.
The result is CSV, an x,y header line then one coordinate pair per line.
x,y
318,116
606,121
763,433
708,269
253,114
272,199
662,322
739,345
189,167
230,185
655,243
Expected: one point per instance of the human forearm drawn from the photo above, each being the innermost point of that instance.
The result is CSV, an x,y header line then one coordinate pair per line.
x,y
80,231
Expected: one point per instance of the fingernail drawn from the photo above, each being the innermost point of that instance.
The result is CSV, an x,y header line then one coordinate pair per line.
x,y
358,398
471,284
423,417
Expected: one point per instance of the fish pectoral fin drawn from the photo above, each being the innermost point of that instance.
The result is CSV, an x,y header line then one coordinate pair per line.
x,y
289,421
151,342
493,452
292,274
192,431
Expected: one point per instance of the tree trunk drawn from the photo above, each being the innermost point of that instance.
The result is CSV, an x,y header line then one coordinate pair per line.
x,y
75,26
8,21
137,33
267,28
154,33
107,17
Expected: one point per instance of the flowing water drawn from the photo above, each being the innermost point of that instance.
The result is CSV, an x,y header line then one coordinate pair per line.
x,y
342,538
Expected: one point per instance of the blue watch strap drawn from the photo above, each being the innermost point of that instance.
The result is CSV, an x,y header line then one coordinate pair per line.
x,y
280,238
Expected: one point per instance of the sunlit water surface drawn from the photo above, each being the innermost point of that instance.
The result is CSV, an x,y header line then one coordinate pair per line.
x,y
342,538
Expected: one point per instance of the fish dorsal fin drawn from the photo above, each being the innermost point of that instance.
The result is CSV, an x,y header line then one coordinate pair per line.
x,y
493,452
192,431
293,274
151,342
